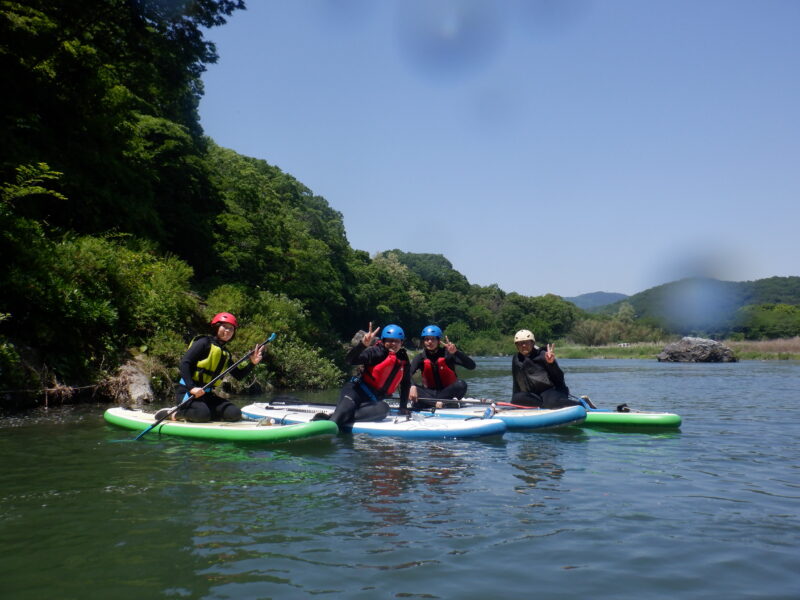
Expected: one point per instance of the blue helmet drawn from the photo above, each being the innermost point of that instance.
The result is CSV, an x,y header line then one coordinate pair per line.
x,y
431,330
394,332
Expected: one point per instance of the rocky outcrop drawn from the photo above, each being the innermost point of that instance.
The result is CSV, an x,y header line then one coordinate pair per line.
x,y
131,386
358,338
692,349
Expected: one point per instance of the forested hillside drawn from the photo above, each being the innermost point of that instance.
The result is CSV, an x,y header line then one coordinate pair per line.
x,y
595,299
766,308
123,228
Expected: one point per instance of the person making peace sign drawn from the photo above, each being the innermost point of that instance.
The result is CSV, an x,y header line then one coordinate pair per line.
x,y
438,366
538,380
384,367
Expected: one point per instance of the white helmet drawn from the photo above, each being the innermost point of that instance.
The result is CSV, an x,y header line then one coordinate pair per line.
x,y
523,335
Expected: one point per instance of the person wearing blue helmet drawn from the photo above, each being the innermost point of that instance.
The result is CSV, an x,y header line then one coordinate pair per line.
x,y
383,368
437,364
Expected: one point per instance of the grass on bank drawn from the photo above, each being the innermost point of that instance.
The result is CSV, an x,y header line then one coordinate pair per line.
x,y
637,350
781,349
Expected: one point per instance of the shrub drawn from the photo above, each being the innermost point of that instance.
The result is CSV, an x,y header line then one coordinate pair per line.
x,y
15,374
290,363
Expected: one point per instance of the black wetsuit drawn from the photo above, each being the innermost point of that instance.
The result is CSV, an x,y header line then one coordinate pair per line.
x,y
457,389
209,406
358,401
537,382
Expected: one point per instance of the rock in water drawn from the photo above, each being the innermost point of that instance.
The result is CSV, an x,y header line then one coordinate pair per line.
x,y
692,349
133,385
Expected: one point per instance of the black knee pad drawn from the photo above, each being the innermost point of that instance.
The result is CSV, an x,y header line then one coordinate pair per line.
x,y
231,413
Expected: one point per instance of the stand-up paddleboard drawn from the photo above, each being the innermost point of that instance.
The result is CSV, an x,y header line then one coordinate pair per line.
x,y
621,418
406,426
599,417
519,418
239,431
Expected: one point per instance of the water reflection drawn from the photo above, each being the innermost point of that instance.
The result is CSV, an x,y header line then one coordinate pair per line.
x,y
536,465
360,516
392,475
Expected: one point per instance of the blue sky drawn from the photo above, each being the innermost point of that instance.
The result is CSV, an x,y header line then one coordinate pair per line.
x,y
551,146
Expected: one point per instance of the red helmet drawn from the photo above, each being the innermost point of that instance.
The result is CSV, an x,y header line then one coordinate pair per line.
x,y
224,318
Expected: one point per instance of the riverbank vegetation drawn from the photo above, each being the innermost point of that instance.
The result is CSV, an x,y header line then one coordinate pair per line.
x,y
124,228
781,349
776,349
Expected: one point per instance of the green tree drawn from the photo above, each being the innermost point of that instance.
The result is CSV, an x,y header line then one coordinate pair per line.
x,y
768,321
106,92
445,307
626,313
274,234
435,270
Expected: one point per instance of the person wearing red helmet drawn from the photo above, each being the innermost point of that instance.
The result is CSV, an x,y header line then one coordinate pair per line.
x,y
224,317
206,358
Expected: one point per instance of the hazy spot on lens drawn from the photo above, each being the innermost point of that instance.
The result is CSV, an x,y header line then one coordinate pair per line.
x,y
449,39
348,15
705,297
700,305
544,17
498,107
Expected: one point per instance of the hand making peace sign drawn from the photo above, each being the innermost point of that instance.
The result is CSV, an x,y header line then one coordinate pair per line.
x,y
370,335
550,356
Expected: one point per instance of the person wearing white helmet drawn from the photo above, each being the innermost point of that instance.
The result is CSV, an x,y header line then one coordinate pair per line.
x,y
437,363
538,380
384,368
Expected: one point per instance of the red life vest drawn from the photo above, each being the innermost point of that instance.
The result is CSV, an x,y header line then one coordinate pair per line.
x,y
439,376
386,375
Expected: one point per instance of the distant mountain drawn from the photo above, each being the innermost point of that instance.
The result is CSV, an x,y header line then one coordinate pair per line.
x,y
702,305
595,299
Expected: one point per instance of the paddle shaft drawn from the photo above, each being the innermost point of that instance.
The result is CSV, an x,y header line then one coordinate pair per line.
x,y
583,401
459,401
189,399
479,402
484,401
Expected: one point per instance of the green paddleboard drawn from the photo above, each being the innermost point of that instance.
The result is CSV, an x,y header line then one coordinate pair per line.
x,y
240,431
632,419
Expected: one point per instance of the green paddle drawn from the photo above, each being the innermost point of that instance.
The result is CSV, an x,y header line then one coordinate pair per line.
x,y
189,398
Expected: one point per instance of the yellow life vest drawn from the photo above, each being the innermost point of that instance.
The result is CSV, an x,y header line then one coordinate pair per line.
x,y
212,365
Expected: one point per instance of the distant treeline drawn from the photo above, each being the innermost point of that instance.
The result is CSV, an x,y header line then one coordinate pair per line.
x,y
763,309
123,228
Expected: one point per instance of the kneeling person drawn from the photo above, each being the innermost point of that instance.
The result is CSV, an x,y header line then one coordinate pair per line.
x,y
438,366
205,359
538,380
385,367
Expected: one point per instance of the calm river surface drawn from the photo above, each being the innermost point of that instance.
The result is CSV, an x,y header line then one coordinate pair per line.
x,y
709,511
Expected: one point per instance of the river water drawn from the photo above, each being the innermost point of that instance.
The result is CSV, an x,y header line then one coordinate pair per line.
x,y
709,511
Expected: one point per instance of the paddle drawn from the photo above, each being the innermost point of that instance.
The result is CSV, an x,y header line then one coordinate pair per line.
x,y
460,401
584,401
490,411
478,402
589,405
186,401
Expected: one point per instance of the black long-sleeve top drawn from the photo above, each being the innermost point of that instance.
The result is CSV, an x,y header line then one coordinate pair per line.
x,y
533,373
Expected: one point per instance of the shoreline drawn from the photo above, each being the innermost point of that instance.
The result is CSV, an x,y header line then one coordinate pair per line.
x,y
781,349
